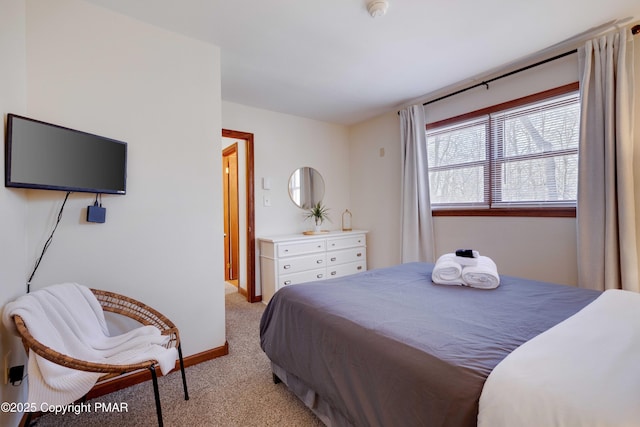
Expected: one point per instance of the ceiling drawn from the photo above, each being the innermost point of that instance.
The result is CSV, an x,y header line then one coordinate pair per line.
x,y
331,61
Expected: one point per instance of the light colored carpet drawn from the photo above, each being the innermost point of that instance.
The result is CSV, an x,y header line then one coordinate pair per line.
x,y
233,390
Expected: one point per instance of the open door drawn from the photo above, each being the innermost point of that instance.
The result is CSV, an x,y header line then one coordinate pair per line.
x,y
231,215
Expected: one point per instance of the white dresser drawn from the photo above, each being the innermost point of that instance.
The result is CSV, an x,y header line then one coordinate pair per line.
x,y
296,258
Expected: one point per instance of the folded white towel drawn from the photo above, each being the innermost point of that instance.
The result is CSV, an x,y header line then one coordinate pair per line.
x,y
480,272
484,275
447,271
69,319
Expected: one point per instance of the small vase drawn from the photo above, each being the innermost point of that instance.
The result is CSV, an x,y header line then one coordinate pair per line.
x,y
318,226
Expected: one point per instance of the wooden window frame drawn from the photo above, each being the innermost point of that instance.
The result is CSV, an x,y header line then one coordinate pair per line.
x,y
550,211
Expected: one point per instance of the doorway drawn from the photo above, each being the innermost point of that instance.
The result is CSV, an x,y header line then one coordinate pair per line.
x,y
231,214
244,199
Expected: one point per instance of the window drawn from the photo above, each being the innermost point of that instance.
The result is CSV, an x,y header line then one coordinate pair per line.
x,y
517,157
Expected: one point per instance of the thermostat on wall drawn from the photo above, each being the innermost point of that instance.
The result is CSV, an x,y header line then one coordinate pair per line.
x,y
266,183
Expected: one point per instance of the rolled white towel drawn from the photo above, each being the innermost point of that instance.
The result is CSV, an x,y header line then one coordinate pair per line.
x,y
447,271
484,275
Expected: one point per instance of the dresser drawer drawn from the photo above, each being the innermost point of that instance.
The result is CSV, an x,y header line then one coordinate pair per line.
x,y
346,269
301,248
302,277
345,242
301,263
346,255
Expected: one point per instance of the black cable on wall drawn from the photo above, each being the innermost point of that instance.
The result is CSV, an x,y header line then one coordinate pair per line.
x,y
47,243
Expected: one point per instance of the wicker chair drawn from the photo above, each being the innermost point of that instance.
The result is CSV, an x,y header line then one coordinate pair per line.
x,y
129,307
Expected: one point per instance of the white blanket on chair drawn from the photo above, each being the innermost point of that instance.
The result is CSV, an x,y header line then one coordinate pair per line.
x,y
69,319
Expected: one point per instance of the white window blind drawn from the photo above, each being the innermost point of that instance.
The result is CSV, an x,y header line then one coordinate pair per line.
x,y
521,157
459,164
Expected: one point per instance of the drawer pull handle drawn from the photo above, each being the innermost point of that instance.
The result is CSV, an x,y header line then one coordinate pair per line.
x,y
287,282
333,273
359,267
319,276
286,267
333,258
319,261
359,254
319,246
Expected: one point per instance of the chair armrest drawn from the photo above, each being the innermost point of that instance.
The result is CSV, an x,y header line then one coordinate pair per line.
x,y
134,309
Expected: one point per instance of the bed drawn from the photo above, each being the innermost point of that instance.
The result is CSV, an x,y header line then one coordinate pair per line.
x,y
388,347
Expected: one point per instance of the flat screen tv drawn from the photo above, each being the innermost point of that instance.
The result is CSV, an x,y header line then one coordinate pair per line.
x,y
49,157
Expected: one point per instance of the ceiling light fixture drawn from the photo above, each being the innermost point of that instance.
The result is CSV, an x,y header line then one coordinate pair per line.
x,y
377,7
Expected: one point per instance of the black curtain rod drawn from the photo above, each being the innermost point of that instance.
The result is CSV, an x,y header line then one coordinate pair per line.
x,y
634,30
486,82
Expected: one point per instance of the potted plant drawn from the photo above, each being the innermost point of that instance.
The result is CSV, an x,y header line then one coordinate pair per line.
x,y
319,213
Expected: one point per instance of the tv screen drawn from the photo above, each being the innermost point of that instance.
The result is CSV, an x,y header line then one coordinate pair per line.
x,y
46,156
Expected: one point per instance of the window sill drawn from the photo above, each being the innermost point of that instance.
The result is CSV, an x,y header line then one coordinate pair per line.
x,y
565,212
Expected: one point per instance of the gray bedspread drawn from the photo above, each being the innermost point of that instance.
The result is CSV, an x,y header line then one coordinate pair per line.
x,y
388,347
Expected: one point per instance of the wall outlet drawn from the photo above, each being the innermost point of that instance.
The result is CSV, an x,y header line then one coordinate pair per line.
x,y
16,373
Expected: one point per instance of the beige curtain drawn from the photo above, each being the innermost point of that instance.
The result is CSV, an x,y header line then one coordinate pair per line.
x,y
606,217
307,196
416,221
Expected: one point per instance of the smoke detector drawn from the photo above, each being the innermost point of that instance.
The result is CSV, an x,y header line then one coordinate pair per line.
x,y
377,7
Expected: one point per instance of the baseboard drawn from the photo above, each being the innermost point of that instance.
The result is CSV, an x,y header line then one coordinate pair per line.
x,y
125,381
134,378
244,293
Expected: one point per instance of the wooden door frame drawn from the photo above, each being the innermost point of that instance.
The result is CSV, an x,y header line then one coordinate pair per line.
x,y
251,238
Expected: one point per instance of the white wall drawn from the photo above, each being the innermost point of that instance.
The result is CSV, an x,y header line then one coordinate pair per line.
x,y
374,151
94,70
283,143
13,205
537,248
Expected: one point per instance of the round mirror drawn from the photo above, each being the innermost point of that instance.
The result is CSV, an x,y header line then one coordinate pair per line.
x,y
306,187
